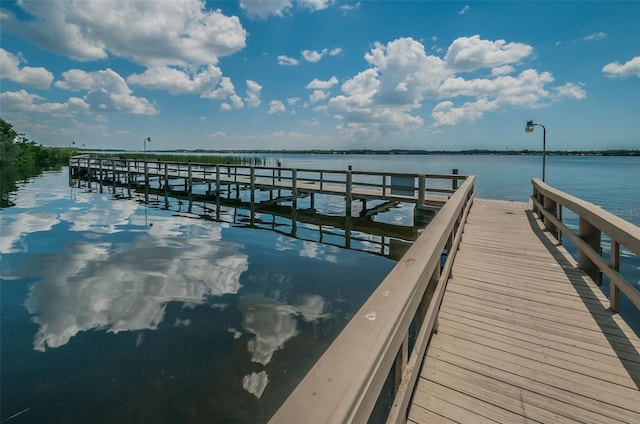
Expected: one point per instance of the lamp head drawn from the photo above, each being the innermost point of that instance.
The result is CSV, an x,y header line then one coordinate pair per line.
x,y
529,127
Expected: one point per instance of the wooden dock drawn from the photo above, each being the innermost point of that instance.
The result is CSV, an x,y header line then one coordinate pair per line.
x,y
429,191
524,335
509,329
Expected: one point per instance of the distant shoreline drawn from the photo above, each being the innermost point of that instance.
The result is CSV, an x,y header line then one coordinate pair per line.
x,y
614,152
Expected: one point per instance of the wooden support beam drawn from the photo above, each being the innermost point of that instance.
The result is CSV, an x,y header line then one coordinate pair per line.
x,y
349,191
614,290
591,235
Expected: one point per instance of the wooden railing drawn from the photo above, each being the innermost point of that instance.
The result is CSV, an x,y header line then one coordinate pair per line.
x,y
346,382
410,187
593,222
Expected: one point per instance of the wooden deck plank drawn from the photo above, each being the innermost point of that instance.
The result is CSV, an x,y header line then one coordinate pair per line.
x,y
524,335
525,382
607,324
537,360
533,405
562,340
566,330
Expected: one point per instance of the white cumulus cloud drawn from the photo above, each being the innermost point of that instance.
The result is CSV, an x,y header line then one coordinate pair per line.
x,y
401,78
24,102
151,33
317,84
471,53
317,95
177,81
313,56
262,9
628,69
571,90
287,61
253,93
276,106
11,68
106,90
315,4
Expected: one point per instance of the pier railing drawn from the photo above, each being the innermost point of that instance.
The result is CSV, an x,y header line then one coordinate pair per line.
x,y
388,336
593,223
422,189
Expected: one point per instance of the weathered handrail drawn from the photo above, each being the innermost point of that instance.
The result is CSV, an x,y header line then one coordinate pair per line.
x,y
345,383
593,221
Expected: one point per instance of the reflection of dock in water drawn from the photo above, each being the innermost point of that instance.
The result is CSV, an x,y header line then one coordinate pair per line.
x,y
280,199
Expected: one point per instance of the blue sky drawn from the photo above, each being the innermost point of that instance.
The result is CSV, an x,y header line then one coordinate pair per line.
x,y
322,74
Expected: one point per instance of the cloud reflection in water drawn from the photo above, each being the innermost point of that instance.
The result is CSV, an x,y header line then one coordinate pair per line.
x,y
273,323
126,286
16,226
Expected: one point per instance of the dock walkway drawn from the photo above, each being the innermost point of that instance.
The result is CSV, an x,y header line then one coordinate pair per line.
x,y
524,335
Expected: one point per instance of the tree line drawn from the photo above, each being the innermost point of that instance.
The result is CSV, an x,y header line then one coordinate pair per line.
x,y
18,150
21,159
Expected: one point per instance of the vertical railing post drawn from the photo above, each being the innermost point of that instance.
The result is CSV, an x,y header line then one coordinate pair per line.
x,y
190,180
402,358
89,169
128,176
559,216
252,184
146,173
614,290
348,190
384,185
454,181
113,171
217,180
166,178
422,188
101,176
591,235
551,206
294,188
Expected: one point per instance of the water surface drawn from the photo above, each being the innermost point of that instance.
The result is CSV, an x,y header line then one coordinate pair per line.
x,y
113,310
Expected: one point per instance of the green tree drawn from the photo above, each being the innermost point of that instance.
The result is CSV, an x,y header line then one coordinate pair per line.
x,y
8,149
21,159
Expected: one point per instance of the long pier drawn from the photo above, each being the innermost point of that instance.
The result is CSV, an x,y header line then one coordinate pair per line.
x,y
486,317
427,191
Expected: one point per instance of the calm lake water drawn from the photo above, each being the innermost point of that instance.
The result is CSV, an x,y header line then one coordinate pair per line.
x,y
117,311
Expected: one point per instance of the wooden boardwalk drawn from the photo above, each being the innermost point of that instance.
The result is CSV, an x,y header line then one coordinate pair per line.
x,y
524,335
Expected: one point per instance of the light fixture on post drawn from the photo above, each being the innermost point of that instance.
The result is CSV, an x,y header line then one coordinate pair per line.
x,y
146,175
528,129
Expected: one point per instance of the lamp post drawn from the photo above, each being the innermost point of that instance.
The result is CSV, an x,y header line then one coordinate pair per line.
x,y
529,128
146,175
